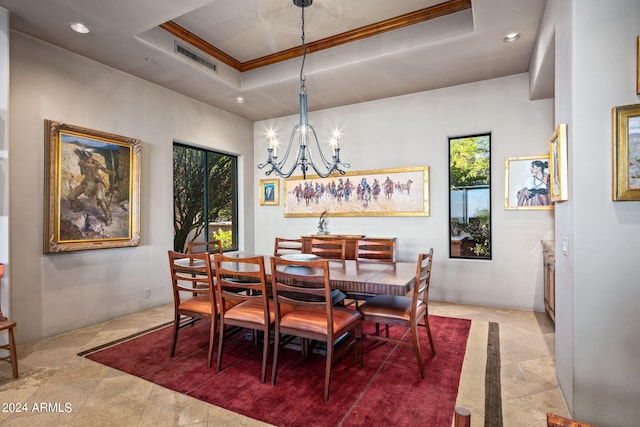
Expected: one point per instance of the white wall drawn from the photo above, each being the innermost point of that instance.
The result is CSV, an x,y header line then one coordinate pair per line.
x,y
61,292
598,281
413,130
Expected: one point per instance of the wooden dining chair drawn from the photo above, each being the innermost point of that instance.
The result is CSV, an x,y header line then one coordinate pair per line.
x,y
212,246
372,250
332,249
8,325
193,294
242,287
376,250
285,246
405,311
303,287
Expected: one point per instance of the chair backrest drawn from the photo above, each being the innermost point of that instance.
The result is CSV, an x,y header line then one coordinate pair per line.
x,y
329,248
287,246
423,278
302,283
212,246
376,250
241,279
191,273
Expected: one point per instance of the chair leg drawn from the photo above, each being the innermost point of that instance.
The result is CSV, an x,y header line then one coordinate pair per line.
x,y
276,347
327,370
265,354
13,353
212,338
386,329
176,328
426,325
359,355
416,347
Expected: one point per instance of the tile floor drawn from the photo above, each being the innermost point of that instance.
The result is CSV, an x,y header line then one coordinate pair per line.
x,y
68,390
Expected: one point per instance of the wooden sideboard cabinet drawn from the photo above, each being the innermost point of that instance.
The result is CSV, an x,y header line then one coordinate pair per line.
x,y
549,265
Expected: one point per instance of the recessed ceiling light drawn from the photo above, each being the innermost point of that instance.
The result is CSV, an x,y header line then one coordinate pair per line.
x,y
239,100
79,27
511,37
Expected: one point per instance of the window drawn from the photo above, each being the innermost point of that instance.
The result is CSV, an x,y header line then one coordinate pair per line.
x,y
204,197
470,196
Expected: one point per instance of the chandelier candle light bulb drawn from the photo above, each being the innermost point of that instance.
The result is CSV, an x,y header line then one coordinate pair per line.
x,y
335,141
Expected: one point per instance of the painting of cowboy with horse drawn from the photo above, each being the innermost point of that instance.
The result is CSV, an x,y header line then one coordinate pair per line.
x,y
94,189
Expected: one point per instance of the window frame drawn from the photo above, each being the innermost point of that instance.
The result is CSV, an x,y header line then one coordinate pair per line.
x,y
208,153
464,251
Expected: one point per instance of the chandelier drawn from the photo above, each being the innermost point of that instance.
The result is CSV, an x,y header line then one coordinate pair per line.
x,y
303,133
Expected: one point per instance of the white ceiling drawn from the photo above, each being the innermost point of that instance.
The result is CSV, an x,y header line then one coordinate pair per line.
x,y
450,50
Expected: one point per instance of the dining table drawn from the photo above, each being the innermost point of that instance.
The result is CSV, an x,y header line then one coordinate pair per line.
x,y
352,276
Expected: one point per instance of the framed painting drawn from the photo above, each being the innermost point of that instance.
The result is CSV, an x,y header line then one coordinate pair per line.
x,y
638,65
381,192
626,153
92,189
558,170
526,183
269,192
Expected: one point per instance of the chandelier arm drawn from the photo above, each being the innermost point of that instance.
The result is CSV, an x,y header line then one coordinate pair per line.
x,y
284,159
295,164
330,166
325,162
277,166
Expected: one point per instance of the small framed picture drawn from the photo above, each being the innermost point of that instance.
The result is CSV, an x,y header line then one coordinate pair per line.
x,y
269,192
558,171
526,183
626,153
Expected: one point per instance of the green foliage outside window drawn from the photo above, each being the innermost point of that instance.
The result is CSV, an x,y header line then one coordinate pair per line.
x,y
225,237
469,162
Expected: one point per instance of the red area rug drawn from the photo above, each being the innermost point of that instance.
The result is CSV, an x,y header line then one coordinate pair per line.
x,y
387,391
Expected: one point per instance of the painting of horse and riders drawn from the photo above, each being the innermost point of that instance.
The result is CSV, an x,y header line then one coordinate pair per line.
x,y
382,192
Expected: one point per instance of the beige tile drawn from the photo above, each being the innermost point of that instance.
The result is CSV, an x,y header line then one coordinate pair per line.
x,y
79,369
528,377
115,413
222,417
118,389
166,408
39,419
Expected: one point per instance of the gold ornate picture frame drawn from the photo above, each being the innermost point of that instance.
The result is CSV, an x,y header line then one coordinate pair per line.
x,y
638,65
526,183
380,192
558,165
626,152
269,192
92,189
